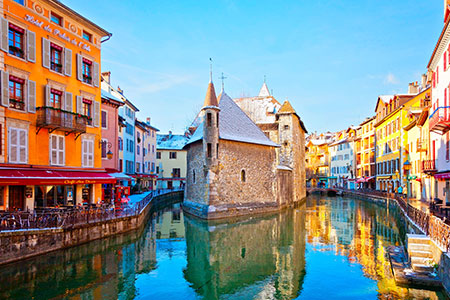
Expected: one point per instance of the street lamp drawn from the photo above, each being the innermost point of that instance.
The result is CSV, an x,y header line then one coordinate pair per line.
x,y
109,154
407,168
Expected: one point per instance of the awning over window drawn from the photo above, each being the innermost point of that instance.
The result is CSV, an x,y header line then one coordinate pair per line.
x,y
52,177
445,175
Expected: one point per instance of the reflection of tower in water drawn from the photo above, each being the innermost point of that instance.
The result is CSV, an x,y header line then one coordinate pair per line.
x,y
256,257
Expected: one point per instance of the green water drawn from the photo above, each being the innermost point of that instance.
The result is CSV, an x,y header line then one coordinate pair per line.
x,y
327,248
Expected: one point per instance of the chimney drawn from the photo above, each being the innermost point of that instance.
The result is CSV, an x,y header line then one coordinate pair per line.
x,y
412,88
424,81
148,120
106,76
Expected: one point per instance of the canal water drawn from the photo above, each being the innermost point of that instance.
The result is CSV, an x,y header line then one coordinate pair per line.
x,y
326,248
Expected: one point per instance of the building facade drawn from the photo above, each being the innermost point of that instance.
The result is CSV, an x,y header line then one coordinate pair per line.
x,y
51,102
365,154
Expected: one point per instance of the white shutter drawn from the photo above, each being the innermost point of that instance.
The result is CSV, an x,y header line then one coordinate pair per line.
x,y
31,96
31,46
79,105
91,153
68,101
61,157
12,145
67,62
53,151
4,44
96,119
79,67
96,75
45,53
5,88
47,95
23,153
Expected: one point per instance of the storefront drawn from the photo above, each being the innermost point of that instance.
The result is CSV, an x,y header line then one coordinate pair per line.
x,y
27,189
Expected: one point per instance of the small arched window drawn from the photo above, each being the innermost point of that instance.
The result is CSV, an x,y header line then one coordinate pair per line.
x,y
243,175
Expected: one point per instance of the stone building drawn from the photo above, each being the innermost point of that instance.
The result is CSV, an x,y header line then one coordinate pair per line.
x,y
233,168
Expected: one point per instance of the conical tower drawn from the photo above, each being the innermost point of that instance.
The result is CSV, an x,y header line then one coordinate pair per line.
x,y
210,111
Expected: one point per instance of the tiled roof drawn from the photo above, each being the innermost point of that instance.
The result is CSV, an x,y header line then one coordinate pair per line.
x,y
171,141
210,99
106,94
235,125
286,108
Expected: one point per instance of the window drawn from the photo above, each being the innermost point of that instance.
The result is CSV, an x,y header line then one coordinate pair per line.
x,y
176,173
286,127
87,110
243,175
138,150
55,98
172,155
120,165
104,144
209,119
129,129
153,167
16,98
57,144
18,145
138,167
20,1
56,19
56,58
120,143
209,150
157,169
104,119
87,71
87,36
16,40
193,176
158,155
87,153
153,149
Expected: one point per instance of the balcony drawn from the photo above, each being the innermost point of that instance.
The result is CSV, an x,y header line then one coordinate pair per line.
x,y
429,166
57,119
440,120
422,146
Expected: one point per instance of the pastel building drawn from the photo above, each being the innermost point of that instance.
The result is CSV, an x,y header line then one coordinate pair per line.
x,y
50,121
171,160
365,154
145,155
342,160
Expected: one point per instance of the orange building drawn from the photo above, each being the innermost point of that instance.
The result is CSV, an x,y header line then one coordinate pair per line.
x,y
50,95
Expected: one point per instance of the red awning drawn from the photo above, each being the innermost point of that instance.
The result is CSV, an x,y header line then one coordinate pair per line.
x,y
442,175
51,177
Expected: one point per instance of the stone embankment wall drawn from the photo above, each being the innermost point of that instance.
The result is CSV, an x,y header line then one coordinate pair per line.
x,y
21,244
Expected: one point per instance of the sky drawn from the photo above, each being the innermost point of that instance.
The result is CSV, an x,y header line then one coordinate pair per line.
x,y
331,59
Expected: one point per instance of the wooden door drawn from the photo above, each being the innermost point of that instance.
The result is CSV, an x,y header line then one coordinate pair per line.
x,y
16,197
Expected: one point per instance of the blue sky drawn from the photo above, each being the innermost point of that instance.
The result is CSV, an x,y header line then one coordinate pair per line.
x,y
330,59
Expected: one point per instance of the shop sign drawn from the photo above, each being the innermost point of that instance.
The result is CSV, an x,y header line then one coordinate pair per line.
x,y
85,193
79,181
57,32
28,192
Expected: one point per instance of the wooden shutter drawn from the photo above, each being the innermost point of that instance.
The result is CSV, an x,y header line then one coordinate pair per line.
x,y
68,101
47,95
31,96
12,145
90,153
83,153
96,75
60,150
45,53
5,88
4,44
53,150
31,46
23,153
79,105
96,114
79,67
67,62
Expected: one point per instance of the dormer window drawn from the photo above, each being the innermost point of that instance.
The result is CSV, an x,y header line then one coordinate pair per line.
x,y
87,36
56,19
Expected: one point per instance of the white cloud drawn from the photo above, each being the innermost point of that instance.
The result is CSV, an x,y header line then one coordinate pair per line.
x,y
390,79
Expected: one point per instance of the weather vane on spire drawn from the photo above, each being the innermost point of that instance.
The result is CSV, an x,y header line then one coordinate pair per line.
x,y
210,69
223,79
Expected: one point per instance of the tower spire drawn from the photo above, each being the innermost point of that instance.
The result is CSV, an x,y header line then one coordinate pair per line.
x,y
223,81
210,70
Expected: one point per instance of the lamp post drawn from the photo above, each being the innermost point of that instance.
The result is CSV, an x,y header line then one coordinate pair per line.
x,y
407,168
103,143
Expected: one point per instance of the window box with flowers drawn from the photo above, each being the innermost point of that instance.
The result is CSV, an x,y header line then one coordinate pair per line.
x,y
49,116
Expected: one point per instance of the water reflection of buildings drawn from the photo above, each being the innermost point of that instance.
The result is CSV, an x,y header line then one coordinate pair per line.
x,y
103,269
360,231
261,258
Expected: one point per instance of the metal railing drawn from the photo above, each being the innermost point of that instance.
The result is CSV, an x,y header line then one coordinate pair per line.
x,y
70,217
429,165
60,119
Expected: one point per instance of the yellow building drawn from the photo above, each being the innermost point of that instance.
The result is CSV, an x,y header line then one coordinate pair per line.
x,y
171,162
418,137
318,160
50,98
365,154
391,117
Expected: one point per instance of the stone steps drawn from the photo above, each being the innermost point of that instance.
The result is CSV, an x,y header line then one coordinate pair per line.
x,y
418,247
422,268
420,253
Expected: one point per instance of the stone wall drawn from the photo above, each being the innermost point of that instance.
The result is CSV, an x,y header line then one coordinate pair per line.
x,y
16,245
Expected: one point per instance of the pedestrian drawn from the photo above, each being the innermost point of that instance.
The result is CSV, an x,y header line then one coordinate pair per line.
x,y
400,190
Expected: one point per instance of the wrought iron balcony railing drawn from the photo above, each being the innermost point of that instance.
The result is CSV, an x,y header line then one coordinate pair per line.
x,y
429,165
57,119
440,120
